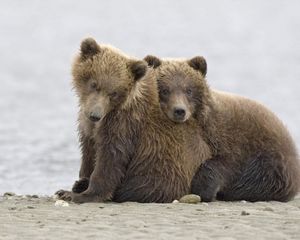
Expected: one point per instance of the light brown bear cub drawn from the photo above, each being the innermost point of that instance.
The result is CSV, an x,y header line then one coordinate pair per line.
x,y
254,157
130,150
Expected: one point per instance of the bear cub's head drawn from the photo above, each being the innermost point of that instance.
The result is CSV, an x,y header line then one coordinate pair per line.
x,y
183,91
104,79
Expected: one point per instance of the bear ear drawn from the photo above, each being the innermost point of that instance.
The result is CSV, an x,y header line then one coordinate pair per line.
x,y
199,64
138,69
88,48
152,61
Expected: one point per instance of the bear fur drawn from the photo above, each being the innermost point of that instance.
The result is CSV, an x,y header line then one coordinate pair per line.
x,y
130,150
253,155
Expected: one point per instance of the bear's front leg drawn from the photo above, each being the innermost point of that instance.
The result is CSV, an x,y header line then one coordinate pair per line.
x,y
110,168
209,179
87,163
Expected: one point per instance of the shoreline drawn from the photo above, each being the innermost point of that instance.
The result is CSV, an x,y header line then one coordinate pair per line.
x,y
42,217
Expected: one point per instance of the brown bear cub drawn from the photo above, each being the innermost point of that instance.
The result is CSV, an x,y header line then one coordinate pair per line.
x,y
130,150
253,156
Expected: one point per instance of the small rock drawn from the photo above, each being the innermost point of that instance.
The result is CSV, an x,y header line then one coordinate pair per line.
x,y
30,196
30,207
9,194
175,201
101,207
205,203
190,198
244,213
199,209
268,209
244,201
61,203
12,208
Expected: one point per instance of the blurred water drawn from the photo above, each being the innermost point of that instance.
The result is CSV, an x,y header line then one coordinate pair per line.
x,y
252,48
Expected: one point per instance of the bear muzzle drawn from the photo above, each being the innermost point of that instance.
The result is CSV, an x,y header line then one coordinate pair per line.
x,y
95,116
179,114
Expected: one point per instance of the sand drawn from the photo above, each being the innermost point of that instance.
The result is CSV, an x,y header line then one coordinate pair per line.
x,y
35,217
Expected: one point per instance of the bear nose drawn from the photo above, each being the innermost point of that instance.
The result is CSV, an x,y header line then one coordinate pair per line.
x,y
179,112
95,117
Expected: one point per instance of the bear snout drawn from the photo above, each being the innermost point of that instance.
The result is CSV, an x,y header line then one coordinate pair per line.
x,y
95,116
179,113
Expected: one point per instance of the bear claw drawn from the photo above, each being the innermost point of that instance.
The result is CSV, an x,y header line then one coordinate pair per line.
x,y
64,195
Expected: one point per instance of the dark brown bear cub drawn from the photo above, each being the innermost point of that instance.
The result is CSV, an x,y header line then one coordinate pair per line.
x,y
130,150
254,157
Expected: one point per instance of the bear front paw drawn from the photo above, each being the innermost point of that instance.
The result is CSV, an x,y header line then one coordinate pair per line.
x,y
81,185
64,195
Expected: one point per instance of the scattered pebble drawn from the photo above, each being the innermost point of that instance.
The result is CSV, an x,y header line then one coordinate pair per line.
x,y
9,194
190,198
243,201
268,209
30,207
205,203
12,208
244,213
101,207
175,201
61,203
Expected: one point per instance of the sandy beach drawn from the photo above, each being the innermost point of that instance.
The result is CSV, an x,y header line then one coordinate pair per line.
x,y
35,217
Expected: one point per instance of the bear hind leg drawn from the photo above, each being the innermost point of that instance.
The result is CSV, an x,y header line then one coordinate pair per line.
x,y
263,179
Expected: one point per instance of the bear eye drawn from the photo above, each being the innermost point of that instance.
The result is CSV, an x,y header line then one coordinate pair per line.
x,y
165,92
113,94
189,91
93,85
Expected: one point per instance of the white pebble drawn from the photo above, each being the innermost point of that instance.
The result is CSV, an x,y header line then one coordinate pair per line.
x,y
175,201
61,203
